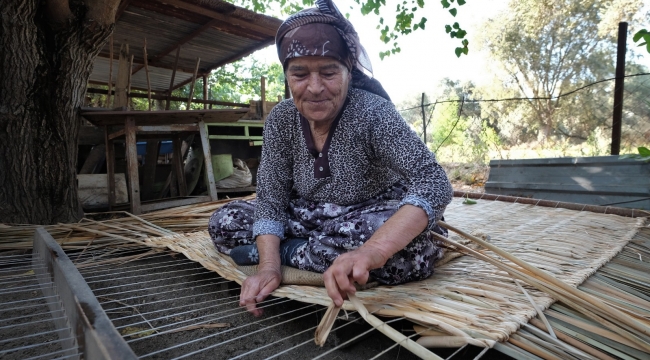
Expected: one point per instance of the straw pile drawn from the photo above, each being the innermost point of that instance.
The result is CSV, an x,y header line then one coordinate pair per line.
x,y
467,296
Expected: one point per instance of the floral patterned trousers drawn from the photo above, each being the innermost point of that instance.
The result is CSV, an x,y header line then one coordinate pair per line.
x,y
332,230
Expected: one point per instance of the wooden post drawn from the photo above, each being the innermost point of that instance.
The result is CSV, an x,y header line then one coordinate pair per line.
x,y
128,89
146,71
619,85
110,73
132,165
209,172
110,168
171,82
424,122
122,82
263,97
196,70
205,91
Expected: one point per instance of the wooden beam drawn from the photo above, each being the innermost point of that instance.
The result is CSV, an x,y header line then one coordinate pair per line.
x,y
207,158
146,70
132,165
171,81
205,91
121,9
178,44
173,98
189,98
244,24
110,168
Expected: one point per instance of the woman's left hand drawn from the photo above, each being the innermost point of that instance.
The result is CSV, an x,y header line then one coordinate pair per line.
x,y
349,268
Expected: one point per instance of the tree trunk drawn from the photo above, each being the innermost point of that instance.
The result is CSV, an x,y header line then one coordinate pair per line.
x,y
48,49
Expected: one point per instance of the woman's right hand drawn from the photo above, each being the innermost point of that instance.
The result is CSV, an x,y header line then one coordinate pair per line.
x,y
257,287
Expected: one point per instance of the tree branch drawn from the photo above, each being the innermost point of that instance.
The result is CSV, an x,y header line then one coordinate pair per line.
x,y
59,13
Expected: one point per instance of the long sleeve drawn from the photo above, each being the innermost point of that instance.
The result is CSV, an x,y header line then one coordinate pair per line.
x,y
396,145
274,176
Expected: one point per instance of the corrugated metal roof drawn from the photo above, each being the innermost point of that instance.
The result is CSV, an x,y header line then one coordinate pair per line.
x,y
213,30
598,180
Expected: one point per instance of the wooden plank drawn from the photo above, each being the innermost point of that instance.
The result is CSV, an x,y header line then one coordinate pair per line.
x,y
132,165
85,323
158,205
150,164
110,169
173,98
189,98
178,166
101,118
116,134
123,72
209,172
159,128
171,81
93,190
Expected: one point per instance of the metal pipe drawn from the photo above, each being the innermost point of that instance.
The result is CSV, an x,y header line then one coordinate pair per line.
x,y
619,85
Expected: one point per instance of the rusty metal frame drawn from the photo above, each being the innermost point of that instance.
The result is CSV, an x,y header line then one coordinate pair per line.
x,y
92,334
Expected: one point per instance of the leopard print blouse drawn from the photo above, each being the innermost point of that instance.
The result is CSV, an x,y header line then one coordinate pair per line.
x,y
371,148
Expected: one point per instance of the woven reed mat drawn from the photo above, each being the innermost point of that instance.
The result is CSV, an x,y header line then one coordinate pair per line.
x,y
468,295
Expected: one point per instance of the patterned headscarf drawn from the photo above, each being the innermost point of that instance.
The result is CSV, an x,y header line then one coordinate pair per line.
x,y
325,30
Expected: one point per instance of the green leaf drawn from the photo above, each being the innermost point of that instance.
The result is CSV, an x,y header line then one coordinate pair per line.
x,y
421,3
456,26
639,34
644,151
445,4
447,29
461,2
469,202
453,12
458,51
461,34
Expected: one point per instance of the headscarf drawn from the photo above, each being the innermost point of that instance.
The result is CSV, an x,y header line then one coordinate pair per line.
x,y
325,31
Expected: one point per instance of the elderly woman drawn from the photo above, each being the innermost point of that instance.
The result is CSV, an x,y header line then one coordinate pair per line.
x,y
345,187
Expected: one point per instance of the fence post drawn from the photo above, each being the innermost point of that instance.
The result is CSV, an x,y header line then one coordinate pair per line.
x,y
424,122
617,117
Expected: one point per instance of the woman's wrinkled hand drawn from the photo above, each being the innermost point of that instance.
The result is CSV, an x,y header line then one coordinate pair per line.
x,y
257,287
349,268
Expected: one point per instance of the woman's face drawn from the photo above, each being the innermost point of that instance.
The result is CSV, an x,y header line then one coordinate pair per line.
x,y
319,86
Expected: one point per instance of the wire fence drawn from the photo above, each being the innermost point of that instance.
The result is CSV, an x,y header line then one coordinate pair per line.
x,y
463,127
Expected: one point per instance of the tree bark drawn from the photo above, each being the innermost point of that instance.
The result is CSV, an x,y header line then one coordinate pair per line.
x,y
48,49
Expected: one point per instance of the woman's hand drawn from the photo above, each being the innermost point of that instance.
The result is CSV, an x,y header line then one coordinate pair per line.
x,y
257,287
354,266
349,268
